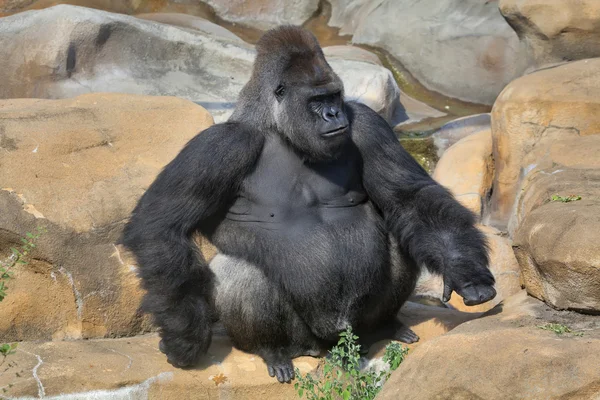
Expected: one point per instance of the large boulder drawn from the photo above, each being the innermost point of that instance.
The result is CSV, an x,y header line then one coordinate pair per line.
x,y
462,49
556,240
77,167
265,14
97,51
555,31
533,112
505,355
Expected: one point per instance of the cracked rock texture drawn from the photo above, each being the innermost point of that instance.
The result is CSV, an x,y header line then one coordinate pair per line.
x,y
505,355
77,167
533,112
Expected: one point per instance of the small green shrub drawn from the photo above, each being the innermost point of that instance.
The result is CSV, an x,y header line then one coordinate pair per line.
x,y
559,329
565,199
342,376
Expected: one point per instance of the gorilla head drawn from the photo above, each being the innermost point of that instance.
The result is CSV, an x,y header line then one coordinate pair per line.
x,y
297,94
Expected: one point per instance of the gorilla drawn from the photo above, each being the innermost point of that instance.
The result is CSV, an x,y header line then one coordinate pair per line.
x,y
320,217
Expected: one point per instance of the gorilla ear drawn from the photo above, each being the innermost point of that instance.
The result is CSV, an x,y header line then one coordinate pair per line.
x,y
279,92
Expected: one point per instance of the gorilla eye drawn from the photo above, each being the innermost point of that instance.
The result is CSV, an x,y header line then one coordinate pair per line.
x,y
280,91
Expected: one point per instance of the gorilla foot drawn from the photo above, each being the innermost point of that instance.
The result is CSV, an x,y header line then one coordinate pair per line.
x,y
284,371
405,335
279,364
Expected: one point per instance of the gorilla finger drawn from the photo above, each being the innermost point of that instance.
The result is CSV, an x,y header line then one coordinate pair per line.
x,y
271,371
447,292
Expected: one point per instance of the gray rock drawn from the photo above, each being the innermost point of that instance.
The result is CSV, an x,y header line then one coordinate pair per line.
x,y
97,51
190,22
265,14
458,129
462,49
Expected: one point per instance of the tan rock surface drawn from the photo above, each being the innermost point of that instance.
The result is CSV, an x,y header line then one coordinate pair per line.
x,y
467,170
132,368
558,244
555,31
505,355
78,167
534,110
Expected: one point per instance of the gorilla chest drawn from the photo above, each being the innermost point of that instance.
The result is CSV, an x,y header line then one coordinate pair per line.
x,y
285,189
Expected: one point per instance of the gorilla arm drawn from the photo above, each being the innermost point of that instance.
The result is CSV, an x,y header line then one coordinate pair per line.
x,y
428,222
197,185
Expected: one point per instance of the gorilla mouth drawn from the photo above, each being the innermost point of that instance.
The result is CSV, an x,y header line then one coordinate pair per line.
x,y
335,132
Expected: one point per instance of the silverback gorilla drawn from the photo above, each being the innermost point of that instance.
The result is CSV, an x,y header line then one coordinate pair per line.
x,y
321,219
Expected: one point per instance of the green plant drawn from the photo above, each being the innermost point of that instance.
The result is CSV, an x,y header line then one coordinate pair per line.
x,y
342,376
565,199
559,329
17,257
6,348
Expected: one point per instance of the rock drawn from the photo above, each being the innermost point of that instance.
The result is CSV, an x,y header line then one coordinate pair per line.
x,y
460,128
97,51
505,355
556,242
190,22
370,84
555,31
503,265
132,368
265,14
429,321
413,111
537,109
78,167
462,49
352,53
467,170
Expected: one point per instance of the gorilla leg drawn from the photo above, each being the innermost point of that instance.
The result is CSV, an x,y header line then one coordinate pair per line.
x,y
258,318
381,312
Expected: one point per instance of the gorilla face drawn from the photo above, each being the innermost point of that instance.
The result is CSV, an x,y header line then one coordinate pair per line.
x,y
309,108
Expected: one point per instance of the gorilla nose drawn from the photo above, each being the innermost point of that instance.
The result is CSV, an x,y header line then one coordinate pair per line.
x,y
330,114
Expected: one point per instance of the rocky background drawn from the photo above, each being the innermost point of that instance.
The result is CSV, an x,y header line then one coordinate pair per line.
x,y
498,99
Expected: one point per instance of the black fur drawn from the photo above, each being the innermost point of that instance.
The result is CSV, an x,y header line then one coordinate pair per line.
x,y
320,216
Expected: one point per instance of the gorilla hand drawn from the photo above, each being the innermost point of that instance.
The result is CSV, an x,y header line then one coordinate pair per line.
x,y
475,284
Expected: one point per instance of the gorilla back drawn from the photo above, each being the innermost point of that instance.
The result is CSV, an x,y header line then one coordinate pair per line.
x,y
319,215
